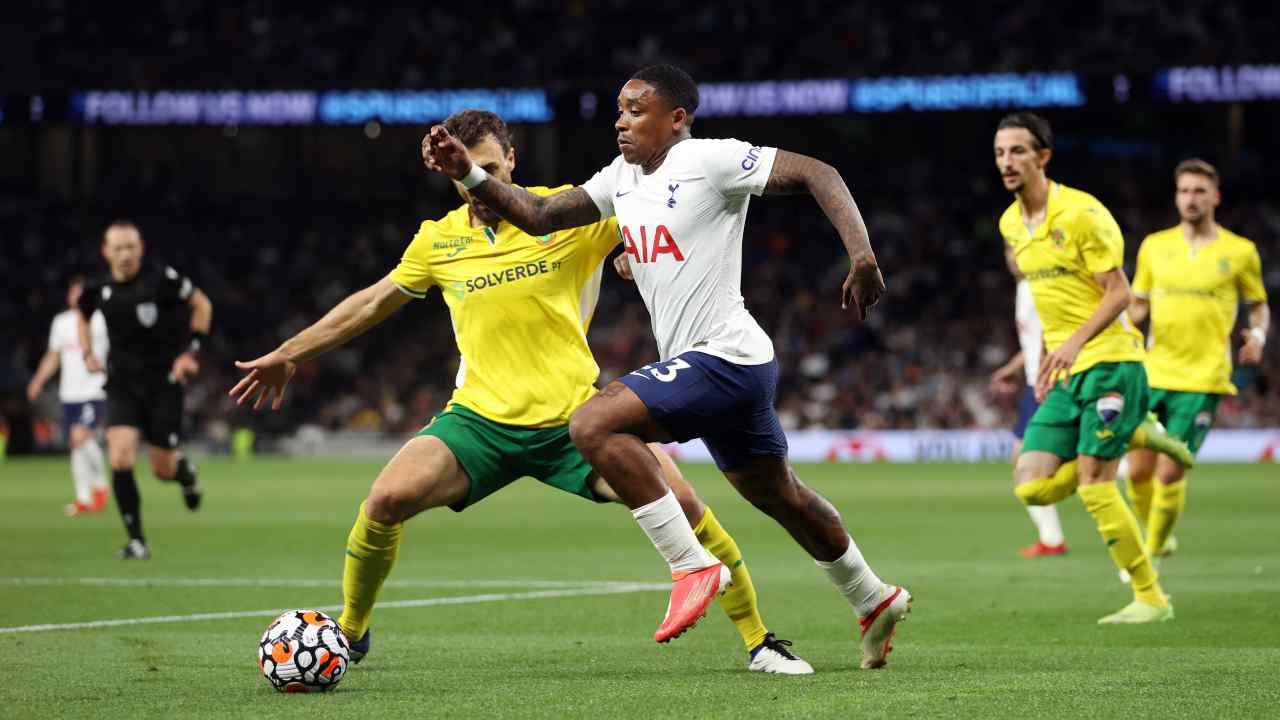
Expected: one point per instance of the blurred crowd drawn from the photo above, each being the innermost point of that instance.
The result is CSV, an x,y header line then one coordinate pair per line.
x,y
205,44
923,360
277,225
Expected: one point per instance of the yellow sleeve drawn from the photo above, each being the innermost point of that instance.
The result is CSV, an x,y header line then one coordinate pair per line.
x,y
602,240
1101,244
1249,281
413,273
1142,276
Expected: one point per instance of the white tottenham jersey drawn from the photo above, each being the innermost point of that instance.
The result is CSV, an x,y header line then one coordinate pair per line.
x,y
682,227
75,382
1030,331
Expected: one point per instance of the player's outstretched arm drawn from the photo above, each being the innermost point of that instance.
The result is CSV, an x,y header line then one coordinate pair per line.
x,y
1115,299
269,374
48,366
534,214
794,174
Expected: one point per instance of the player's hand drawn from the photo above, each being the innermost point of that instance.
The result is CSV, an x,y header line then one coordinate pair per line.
x,y
1004,382
622,264
1055,367
444,153
33,390
863,287
184,366
1251,351
92,363
267,378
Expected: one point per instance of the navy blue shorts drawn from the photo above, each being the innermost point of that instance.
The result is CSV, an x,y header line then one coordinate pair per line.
x,y
729,406
1027,407
89,414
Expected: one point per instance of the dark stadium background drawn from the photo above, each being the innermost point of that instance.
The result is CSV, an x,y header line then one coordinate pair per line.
x,y
277,224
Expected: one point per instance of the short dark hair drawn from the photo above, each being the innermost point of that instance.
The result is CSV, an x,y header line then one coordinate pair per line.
x,y
1196,166
473,126
1032,123
675,85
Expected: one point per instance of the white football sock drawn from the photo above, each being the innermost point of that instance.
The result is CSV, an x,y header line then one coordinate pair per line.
x,y
854,579
81,474
664,522
1046,519
97,463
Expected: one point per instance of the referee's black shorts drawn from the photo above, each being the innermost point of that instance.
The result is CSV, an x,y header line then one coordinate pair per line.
x,y
153,405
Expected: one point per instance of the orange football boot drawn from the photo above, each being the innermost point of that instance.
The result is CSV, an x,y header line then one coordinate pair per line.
x,y
691,593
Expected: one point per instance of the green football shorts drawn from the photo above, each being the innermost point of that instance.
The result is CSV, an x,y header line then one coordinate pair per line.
x,y
1186,415
495,455
1094,413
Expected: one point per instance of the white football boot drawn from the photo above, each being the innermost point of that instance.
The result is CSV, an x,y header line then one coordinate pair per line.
x,y
774,656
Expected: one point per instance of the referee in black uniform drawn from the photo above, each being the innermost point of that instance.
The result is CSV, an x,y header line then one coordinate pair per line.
x,y
152,356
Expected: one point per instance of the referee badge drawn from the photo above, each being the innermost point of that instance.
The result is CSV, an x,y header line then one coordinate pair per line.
x,y
1204,419
147,314
1110,406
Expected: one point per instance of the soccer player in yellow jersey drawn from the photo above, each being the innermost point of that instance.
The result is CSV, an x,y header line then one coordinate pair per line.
x,y
1190,281
520,306
1091,384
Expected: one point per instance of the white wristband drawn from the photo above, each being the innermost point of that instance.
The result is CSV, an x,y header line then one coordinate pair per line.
x,y
475,177
1258,335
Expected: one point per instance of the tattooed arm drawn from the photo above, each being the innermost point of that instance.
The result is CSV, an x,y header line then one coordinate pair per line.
x,y
795,174
534,214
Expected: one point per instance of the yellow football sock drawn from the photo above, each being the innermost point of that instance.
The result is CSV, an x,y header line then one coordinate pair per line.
x,y
1166,508
1120,532
1050,490
739,601
1140,497
371,551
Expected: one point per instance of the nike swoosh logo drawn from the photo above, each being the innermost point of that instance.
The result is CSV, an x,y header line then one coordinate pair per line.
x,y
620,194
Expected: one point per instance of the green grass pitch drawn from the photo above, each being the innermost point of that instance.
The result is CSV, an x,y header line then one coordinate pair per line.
x,y
990,636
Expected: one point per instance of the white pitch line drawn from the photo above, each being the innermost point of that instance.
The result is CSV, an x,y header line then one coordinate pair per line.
x,y
616,589
288,583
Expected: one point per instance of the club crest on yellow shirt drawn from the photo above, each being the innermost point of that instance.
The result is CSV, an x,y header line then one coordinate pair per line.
x,y
1058,238
1224,266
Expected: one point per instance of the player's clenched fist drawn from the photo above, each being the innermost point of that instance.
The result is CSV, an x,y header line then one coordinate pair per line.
x,y
444,153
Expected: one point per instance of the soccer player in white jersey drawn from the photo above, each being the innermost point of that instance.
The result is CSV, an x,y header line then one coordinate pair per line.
x,y
83,399
1019,376
681,205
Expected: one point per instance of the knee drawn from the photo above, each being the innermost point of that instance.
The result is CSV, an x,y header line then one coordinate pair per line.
x,y
586,430
388,506
121,460
774,489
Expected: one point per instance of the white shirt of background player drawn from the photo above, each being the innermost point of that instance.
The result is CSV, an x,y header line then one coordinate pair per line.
x,y
682,228
75,383
1030,330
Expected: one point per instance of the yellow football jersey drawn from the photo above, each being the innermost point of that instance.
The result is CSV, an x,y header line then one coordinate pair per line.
x,y
520,306
1077,239
1194,295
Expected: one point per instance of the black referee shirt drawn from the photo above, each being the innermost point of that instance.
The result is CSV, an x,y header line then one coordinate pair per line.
x,y
146,319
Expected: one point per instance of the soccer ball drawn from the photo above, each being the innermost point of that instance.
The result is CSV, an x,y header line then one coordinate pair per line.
x,y
303,651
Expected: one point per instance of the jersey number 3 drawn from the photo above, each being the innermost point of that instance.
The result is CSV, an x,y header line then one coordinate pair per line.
x,y
663,371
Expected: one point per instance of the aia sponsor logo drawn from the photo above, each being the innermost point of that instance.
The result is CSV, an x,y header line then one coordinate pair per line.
x,y
645,251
